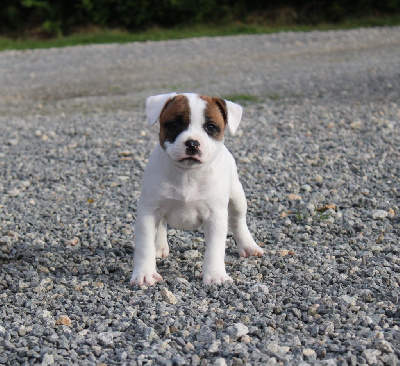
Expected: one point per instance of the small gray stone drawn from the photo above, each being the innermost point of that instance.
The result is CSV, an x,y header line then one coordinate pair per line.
x,y
384,346
5,240
318,178
328,328
205,335
371,356
14,192
12,142
168,296
191,254
46,284
367,296
215,346
47,359
306,188
150,334
379,214
178,360
329,362
219,362
309,354
195,360
276,349
390,359
356,125
314,330
259,288
22,330
46,317
316,197
237,330
348,300
106,338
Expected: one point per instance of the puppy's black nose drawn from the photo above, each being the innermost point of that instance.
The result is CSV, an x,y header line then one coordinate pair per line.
x,y
192,144
192,147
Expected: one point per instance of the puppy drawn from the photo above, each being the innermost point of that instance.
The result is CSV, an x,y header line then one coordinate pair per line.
x,y
190,181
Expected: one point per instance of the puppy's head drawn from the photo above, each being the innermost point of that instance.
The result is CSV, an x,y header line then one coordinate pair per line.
x,y
192,126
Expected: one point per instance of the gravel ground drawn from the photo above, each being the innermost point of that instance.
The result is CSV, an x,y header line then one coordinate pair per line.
x,y
319,159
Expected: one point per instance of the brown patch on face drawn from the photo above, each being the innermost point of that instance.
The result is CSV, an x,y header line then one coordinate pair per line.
x,y
174,119
216,117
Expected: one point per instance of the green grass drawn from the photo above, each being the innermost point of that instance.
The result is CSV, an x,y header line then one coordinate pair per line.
x,y
274,96
97,35
241,98
319,215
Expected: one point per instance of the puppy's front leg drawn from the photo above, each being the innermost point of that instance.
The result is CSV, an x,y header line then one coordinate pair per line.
x,y
144,260
215,232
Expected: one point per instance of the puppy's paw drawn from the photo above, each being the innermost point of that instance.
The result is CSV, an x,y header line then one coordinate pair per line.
x,y
145,278
251,249
216,278
162,252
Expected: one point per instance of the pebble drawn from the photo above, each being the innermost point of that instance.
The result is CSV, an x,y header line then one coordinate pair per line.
x,y
168,296
106,338
317,197
237,330
215,346
64,320
47,359
14,192
318,178
260,287
384,346
13,142
125,153
219,362
306,188
348,300
277,349
371,356
5,240
191,254
380,214
73,241
309,354
355,125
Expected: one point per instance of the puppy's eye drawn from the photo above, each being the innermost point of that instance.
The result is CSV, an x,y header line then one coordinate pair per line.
x,y
211,128
173,126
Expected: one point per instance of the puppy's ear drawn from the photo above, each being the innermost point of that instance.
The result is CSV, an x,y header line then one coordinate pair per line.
x,y
234,116
155,105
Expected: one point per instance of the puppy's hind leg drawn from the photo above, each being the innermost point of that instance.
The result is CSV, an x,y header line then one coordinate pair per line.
x,y
162,249
237,222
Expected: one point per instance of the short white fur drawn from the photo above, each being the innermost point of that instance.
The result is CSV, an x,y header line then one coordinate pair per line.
x,y
186,196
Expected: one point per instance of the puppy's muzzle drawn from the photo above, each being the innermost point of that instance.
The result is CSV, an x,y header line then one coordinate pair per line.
x,y
192,147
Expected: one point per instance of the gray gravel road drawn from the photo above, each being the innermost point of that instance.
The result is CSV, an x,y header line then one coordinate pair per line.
x,y
318,155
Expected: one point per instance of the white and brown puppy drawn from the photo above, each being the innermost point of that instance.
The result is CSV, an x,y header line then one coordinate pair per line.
x,y
190,181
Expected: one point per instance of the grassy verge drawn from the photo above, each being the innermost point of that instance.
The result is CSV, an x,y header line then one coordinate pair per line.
x,y
97,35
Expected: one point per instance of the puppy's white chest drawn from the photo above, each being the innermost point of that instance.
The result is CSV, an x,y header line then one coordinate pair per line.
x,y
187,191
185,204
186,216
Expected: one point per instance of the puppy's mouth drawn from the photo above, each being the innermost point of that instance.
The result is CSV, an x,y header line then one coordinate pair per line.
x,y
190,161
